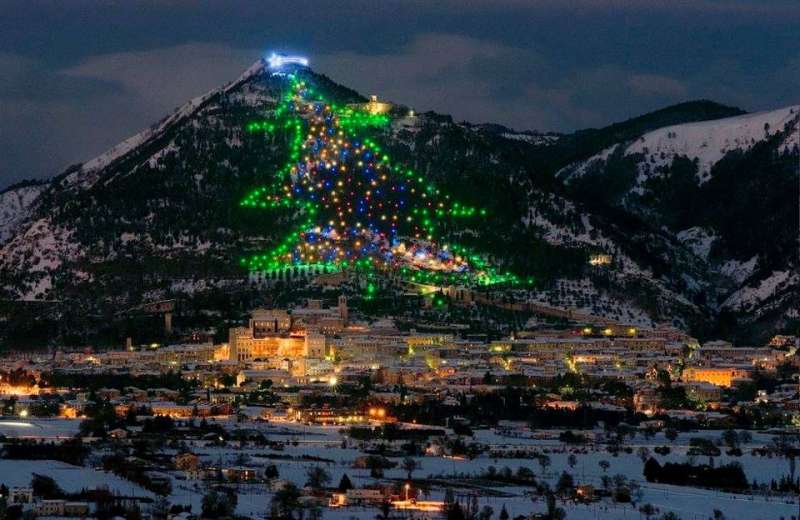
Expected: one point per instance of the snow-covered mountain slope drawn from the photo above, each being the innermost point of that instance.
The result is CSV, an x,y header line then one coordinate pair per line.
x,y
706,142
709,141
15,205
160,212
725,189
89,172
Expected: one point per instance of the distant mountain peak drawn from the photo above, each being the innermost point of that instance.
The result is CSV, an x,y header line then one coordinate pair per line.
x,y
157,215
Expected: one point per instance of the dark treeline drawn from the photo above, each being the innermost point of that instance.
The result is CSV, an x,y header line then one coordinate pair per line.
x,y
171,380
728,476
512,404
71,451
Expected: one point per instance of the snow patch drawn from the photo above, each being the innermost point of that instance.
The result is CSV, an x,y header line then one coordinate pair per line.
x,y
709,141
89,173
705,141
537,139
698,240
15,205
747,297
739,271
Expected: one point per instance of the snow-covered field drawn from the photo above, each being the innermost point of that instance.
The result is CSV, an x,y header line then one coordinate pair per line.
x,y
71,478
39,428
326,443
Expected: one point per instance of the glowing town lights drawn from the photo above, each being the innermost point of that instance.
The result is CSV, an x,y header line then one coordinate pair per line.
x,y
333,381
377,413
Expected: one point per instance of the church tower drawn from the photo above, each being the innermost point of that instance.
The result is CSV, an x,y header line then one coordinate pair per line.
x,y
343,309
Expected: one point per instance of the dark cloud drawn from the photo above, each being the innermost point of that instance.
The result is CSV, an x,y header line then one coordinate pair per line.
x,y
77,77
26,79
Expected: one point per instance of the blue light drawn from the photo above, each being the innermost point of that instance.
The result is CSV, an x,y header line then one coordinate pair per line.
x,y
277,61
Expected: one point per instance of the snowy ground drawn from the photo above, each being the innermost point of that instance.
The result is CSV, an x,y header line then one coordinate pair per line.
x,y
326,443
39,428
71,478
688,503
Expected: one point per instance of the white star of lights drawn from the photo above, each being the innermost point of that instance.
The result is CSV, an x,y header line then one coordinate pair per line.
x,y
277,61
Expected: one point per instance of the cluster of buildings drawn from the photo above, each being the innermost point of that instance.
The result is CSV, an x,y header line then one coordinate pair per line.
x,y
54,507
322,364
312,349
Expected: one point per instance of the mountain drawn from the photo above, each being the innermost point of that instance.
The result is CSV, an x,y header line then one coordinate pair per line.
x,y
14,204
727,190
158,216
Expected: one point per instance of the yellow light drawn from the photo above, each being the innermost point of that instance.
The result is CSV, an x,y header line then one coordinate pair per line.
x,y
23,413
332,381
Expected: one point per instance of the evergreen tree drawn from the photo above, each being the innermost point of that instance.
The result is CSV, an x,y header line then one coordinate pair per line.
x,y
503,513
344,483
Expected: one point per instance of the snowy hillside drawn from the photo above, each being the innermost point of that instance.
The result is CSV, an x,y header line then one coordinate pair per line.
x,y
724,189
706,141
15,204
159,216
90,171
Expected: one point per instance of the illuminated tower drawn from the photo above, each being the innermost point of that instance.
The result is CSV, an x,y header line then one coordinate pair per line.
x,y
343,309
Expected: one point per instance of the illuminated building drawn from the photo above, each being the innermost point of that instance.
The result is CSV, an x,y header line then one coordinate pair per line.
x,y
422,342
186,354
315,345
269,321
720,376
278,377
600,259
703,391
373,106
266,337
357,497
244,347
327,416
274,334
430,506
314,316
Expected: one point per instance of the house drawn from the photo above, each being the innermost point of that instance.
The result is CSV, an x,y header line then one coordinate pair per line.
x,y
118,433
240,474
356,497
20,495
50,507
187,461
77,509
585,492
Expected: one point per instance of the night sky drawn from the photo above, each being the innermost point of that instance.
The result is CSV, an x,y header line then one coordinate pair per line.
x,y
76,76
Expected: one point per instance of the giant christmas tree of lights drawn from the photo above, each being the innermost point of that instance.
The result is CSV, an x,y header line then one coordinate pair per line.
x,y
353,207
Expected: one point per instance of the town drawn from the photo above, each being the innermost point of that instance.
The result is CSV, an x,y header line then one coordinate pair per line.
x,y
320,410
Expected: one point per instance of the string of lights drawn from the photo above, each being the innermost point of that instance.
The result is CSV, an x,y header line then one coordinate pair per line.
x,y
356,208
